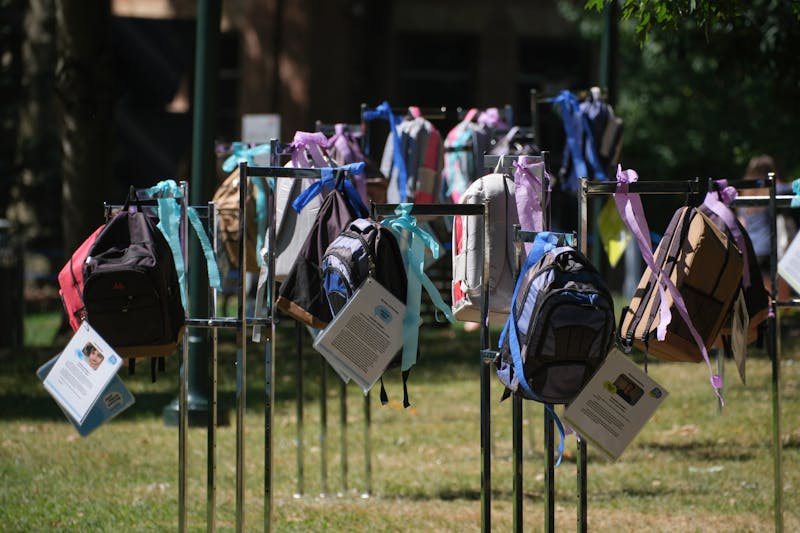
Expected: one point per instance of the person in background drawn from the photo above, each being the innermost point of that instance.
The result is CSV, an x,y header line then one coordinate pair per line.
x,y
756,220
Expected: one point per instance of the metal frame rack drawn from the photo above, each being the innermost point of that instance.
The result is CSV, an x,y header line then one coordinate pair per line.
x,y
696,187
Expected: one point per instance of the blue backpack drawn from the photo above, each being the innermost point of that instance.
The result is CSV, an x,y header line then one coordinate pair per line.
x,y
560,329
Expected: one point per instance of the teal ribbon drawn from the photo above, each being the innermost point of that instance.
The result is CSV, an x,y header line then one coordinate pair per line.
x,y
243,154
167,193
796,190
413,240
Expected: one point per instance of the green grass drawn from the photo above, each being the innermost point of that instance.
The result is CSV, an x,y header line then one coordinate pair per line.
x,y
691,469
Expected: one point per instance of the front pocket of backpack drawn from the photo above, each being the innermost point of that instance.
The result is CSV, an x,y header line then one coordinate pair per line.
x,y
124,308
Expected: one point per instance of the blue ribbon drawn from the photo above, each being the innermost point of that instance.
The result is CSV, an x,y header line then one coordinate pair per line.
x,y
328,182
384,111
167,193
542,244
414,240
575,122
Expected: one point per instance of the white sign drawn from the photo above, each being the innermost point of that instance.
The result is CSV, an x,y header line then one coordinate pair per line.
x,y
261,129
614,406
365,335
114,399
82,372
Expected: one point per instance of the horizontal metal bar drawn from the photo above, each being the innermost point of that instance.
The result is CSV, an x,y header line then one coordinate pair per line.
x,y
431,209
225,322
489,355
753,201
285,172
653,187
490,161
788,303
521,235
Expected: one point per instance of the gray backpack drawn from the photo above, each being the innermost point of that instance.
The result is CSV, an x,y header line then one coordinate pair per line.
x,y
561,328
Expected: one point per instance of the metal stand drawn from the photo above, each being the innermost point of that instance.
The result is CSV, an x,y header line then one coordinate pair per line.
x,y
697,186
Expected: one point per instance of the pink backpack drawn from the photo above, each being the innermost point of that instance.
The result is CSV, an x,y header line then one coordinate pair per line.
x,y
70,281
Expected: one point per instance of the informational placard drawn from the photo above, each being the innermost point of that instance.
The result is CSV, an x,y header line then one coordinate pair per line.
x,y
82,372
789,265
615,405
739,327
365,335
261,128
113,400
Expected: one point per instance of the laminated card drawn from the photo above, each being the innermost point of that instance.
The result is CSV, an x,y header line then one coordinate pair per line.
x,y
614,406
365,335
82,372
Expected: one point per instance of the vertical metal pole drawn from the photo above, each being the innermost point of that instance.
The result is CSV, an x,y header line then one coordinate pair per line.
x,y
486,430
516,415
299,391
343,440
516,422
211,446
269,354
184,373
774,350
719,360
549,474
582,496
582,472
323,426
367,447
241,352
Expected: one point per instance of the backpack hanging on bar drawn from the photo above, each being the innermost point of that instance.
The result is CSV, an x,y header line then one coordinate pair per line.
x,y
687,289
301,293
716,207
131,289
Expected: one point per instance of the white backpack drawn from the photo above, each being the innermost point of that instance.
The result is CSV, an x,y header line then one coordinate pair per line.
x,y
468,250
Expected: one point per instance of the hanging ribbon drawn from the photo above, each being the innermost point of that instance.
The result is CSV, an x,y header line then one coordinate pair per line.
x,y
167,193
544,242
414,240
327,182
719,203
796,190
306,143
528,198
632,213
384,111
244,154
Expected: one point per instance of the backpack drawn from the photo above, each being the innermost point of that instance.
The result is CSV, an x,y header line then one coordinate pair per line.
x,y
464,147
512,200
70,282
469,249
363,249
131,289
706,269
226,202
414,175
755,294
301,294
560,330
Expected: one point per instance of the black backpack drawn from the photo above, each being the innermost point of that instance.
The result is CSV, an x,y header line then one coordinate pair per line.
x,y
301,295
365,249
131,290
562,318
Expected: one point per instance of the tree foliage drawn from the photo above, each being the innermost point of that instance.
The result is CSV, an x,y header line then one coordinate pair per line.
x,y
704,85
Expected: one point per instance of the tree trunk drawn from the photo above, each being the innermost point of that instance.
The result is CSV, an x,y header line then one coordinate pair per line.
x,y
84,88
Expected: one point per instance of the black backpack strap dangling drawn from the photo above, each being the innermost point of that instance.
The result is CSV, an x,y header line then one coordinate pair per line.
x,y
384,396
153,363
131,366
406,403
